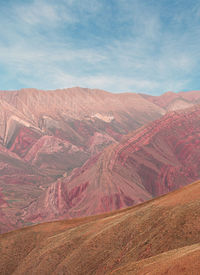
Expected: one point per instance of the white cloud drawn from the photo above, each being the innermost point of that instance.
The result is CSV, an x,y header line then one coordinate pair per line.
x,y
43,12
60,79
149,59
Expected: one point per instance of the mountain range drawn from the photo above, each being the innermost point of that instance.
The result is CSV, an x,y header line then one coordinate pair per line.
x,y
77,152
149,162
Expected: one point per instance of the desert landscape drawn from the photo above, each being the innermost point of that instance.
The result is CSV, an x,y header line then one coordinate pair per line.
x,y
47,174
57,163
99,137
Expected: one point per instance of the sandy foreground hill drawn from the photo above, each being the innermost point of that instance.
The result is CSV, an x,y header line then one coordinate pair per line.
x,y
161,236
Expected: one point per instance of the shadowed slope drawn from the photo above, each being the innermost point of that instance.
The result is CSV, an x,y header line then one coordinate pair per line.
x,y
20,183
152,161
162,235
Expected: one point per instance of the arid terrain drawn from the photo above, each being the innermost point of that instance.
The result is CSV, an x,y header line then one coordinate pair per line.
x,y
51,144
46,134
156,159
161,236
99,137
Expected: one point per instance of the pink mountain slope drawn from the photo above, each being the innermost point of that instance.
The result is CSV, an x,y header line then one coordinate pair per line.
x,y
46,134
156,159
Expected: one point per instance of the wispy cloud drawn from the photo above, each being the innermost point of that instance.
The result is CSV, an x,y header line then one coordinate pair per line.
x,y
119,46
45,13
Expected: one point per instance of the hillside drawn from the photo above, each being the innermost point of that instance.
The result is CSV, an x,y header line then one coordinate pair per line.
x,y
161,236
156,159
46,134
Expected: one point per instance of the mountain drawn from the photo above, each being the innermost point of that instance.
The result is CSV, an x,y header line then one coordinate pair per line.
x,y
161,236
171,101
39,125
46,134
153,160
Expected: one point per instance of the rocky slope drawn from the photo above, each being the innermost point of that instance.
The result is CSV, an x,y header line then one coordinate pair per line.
x,y
154,160
85,118
20,183
161,236
46,134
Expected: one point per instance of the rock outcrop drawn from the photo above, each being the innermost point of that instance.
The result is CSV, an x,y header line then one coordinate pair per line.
x,y
154,160
46,134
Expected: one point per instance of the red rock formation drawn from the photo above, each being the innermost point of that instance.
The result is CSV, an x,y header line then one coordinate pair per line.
x,y
75,115
46,134
24,140
151,161
20,183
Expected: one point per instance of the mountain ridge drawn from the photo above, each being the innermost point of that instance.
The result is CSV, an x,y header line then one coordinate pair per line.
x,y
154,160
56,132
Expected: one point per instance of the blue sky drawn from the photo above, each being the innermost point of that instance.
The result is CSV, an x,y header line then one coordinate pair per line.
x,y
147,46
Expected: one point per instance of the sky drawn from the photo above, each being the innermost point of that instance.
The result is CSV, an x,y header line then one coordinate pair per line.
x,y
143,46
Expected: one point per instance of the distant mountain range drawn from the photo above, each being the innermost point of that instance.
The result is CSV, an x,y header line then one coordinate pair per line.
x,y
53,161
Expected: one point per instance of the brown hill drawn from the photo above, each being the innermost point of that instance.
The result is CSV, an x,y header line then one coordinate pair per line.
x,y
161,236
152,161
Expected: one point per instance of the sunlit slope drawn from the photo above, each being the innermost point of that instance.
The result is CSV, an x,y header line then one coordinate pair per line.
x,y
161,235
